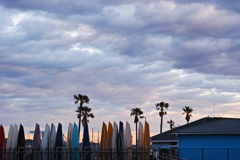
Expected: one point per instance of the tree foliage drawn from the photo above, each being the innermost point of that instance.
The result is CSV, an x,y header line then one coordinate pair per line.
x,y
160,106
187,110
81,99
171,123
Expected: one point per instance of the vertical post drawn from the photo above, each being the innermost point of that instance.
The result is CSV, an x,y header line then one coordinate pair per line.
x,y
92,137
202,154
136,144
178,153
228,153
98,137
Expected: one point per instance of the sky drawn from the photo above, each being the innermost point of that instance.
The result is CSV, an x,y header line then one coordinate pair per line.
x,y
122,55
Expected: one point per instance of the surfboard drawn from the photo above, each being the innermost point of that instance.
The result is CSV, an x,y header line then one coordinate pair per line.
x,y
103,141
69,141
52,137
127,145
52,142
75,143
21,143
120,139
140,140
69,135
36,143
86,143
36,137
14,137
109,134
2,143
147,141
45,141
9,140
114,140
14,141
59,142
114,137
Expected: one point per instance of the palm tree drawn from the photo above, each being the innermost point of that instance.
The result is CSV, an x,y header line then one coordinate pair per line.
x,y
86,114
187,110
136,112
80,99
160,106
171,123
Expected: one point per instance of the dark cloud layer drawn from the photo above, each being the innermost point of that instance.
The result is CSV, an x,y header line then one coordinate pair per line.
x,y
121,54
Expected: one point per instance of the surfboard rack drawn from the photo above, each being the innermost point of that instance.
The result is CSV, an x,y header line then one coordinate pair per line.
x,y
76,153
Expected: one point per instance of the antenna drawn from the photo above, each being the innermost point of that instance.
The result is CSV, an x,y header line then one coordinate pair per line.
x,y
213,109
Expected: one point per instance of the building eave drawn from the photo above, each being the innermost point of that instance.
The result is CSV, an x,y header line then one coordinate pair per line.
x,y
163,141
207,133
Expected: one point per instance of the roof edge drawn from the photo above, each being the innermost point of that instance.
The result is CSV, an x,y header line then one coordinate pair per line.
x,y
207,133
155,141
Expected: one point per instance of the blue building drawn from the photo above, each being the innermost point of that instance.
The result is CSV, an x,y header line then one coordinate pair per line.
x,y
216,140
204,139
167,139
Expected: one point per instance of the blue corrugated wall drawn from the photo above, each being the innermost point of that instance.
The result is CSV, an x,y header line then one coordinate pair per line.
x,y
209,147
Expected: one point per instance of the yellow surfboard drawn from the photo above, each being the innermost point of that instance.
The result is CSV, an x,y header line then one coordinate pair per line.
x,y
109,134
103,140
147,141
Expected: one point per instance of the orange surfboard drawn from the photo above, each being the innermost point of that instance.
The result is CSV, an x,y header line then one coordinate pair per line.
x,y
109,135
147,141
103,140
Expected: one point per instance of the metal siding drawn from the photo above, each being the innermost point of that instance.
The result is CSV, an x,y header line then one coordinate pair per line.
x,y
235,141
221,141
209,147
161,145
195,141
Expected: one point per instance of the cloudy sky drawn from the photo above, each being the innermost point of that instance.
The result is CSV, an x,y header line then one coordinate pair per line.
x,y
122,54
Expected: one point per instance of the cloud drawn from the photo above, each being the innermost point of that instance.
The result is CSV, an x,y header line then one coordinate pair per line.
x,y
122,55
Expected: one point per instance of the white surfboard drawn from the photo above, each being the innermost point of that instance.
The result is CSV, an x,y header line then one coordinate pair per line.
x,y
114,140
10,135
45,141
127,142
69,135
114,136
140,140
52,142
46,138
140,135
14,137
9,142
69,141
52,137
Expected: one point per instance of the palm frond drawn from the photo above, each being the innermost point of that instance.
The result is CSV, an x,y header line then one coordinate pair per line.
x,y
166,105
74,96
79,96
85,99
161,104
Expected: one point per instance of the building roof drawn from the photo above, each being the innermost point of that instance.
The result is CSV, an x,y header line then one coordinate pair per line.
x,y
213,125
221,126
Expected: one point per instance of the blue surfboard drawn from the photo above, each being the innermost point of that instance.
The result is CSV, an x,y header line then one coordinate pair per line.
x,y
86,143
59,142
120,139
75,143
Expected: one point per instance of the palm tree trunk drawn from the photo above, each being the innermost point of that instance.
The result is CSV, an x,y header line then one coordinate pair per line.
x,y
79,127
161,124
79,123
136,140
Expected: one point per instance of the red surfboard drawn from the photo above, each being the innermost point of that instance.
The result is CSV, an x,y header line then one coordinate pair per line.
x,y
2,142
